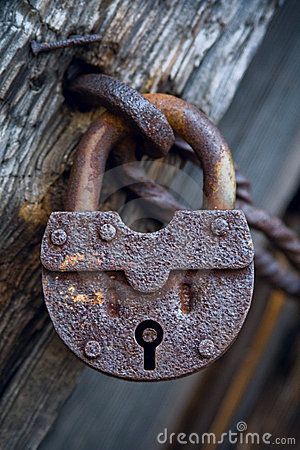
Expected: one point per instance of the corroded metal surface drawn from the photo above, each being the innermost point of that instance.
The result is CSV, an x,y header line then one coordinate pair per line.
x,y
186,120
97,312
277,274
203,136
89,162
193,240
38,47
126,102
284,239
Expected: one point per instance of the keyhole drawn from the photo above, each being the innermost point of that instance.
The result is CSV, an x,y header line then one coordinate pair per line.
x,y
149,335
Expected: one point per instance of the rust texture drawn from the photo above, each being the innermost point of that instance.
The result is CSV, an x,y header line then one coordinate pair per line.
x,y
89,162
38,47
150,306
202,135
212,308
126,102
275,273
285,239
193,240
282,237
186,120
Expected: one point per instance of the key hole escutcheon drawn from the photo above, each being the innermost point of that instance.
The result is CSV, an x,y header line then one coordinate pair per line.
x,y
149,335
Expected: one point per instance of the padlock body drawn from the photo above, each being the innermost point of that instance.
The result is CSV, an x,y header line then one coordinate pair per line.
x,y
191,278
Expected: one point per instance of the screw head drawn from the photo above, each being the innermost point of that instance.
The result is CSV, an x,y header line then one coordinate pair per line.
x,y
219,227
58,237
107,232
92,349
149,335
206,348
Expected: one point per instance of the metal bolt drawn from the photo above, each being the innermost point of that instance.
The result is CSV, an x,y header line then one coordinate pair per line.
x,y
58,237
92,349
149,335
206,348
219,227
107,232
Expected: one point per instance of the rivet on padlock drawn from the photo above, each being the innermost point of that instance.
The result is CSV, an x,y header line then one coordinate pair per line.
x,y
58,237
150,306
107,232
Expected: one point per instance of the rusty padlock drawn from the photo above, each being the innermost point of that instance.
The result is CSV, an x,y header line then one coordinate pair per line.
x,y
149,306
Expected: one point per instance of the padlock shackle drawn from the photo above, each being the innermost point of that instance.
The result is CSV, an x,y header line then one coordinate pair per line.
x,y
90,158
192,125
129,104
187,121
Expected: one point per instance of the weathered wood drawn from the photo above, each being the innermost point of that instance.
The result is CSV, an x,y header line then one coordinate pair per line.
x,y
196,49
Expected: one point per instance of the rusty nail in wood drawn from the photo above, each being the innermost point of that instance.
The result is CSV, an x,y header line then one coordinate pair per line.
x,y
38,47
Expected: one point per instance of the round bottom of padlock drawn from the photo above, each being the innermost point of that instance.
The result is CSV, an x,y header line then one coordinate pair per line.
x,y
160,336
